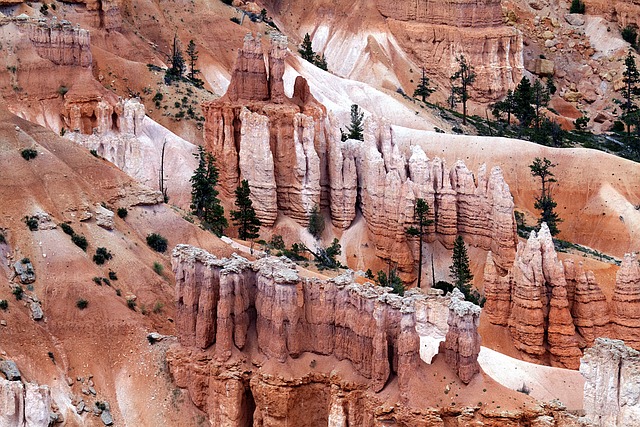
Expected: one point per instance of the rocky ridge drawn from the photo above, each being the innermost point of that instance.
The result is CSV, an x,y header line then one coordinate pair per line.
x,y
303,163
555,309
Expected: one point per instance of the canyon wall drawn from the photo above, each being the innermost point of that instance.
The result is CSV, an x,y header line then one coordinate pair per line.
x,y
291,153
554,309
611,371
436,32
24,405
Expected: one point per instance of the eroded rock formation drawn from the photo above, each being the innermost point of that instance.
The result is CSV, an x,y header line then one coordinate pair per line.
x,y
291,153
612,372
625,303
60,42
438,31
24,404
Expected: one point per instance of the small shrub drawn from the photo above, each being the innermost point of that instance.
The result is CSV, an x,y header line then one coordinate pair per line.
x,y
630,35
106,281
229,2
618,126
102,255
316,222
101,405
98,280
94,153
80,241
118,292
4,304
2,238
25,260
277,242
18,292
32,222
524,389
113,275
158,268
28,154
122,213
157,307
157,242
82,303
446,287
62,90
131,303
577,6
44,9
236,20
67,228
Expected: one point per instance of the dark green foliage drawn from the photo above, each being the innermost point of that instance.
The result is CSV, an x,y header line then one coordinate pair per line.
x,y
424,89
235,19
94,153
44,9
630,35
2,238
28,154
80,241
618,126
192,54
158,268
369,274
306,50
131,303
229,2
320,61
316,222
581,122
263,14
630,91
551,86
25,260
393,281
82,303
62,90
421,217
277,242
67,228
540,98
102,255
523,229
523,96
18,292
32,222
296,253
122,213
446,287
178,65
355,128
245,217
157,242
326,257
506,106
98,280
4,304
106,281
461,81
113,275
459,269
541,168
577,6
204,196
548,133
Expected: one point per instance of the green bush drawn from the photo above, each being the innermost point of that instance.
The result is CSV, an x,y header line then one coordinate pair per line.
x,y
4,304
82,303
102,255
28,154
18,292
113,275
577,6
316,222
2,238
32,222
157,242
630,35
98,280
80,241
122,213
131,303
94,153
446,287
67,228
106,281
158,268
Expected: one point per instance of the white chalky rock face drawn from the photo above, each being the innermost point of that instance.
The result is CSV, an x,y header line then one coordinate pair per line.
x,y
611,393
24,405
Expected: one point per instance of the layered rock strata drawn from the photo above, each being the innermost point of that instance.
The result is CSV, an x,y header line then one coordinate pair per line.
x,y
625,303
60,42
532,300
291,153
436,32
219,299
612,372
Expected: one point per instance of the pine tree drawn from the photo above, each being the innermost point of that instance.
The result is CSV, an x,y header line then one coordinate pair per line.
x,y
306,51
316,222
421,216
320,61
507,105
544,203
245,217
192,53
459,269
631,89
540,99
177,61
523,96
466,76
423,89
204,196
356,127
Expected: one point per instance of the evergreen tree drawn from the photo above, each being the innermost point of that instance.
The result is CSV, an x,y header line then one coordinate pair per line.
x,y
306,51
204,196
421,216
544,203
245,217
577,6
540,99
177,68
356,127
631,89
423,89
466,76
507,105
393,281
320,61
316,222
459,269
523,96
192,53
